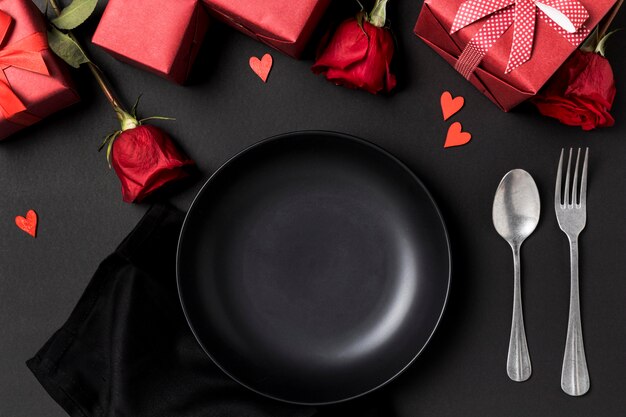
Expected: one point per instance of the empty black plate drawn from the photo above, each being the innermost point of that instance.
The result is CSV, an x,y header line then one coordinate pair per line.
x,y
313,267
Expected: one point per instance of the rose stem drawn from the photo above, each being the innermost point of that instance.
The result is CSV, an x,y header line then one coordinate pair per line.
x,y
609,19
95,71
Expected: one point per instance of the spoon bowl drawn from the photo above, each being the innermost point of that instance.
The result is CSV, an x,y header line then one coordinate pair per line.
x,y
516,206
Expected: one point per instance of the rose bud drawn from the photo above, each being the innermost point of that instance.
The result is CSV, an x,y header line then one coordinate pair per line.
x,y
144,158
581,92
359,53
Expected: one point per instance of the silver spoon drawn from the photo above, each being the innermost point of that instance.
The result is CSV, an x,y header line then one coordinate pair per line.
x,y
516,209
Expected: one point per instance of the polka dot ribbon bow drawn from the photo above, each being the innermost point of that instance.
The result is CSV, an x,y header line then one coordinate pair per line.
x,y
566,17
24,54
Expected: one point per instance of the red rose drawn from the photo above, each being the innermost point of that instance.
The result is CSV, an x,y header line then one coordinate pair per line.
x,y
359,54
144,159
580,93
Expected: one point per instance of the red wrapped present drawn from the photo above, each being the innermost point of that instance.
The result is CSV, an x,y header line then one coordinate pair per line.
x,y
162,37
282,24
34,83
508,49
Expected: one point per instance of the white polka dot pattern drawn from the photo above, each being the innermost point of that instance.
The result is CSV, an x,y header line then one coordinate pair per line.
x,y
523,34
493,29
573,10
473,10
575,38
522,15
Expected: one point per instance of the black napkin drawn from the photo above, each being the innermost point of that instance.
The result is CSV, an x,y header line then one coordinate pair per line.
x,y
126,349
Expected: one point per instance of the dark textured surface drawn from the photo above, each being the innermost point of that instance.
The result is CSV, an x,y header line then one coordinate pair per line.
x,y
54,168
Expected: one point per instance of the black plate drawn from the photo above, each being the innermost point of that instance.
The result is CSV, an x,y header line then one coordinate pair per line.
x,y
313,267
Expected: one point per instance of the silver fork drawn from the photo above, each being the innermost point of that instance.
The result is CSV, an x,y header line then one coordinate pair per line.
x,y
571,213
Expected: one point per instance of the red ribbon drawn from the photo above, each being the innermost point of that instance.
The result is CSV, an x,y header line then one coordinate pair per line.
x,y
566,17
24,54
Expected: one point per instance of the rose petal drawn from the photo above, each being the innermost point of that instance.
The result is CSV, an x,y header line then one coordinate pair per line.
x,y
145,159
580,93
594,80
356,59
348,45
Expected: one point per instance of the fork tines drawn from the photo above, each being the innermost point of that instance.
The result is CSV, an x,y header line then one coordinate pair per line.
x,y
572,196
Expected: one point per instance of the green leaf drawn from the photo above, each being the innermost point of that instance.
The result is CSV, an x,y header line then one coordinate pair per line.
x,y
133,111
378,15
107,139
156,118
75,14
601,47
110,147
360,16
66,48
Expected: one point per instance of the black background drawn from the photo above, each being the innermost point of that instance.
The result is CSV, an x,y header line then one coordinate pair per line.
x,y
55,169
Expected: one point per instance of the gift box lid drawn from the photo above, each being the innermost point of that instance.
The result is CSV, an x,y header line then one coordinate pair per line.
x,y
159,36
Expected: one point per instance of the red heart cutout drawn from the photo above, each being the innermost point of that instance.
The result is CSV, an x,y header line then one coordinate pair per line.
x,y
28,223
450,106
262,66
456,136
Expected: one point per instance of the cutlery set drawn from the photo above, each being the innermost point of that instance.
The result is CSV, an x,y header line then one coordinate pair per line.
x,y
515,214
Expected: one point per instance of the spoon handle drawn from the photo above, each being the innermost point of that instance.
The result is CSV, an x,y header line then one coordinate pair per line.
x,y
518,361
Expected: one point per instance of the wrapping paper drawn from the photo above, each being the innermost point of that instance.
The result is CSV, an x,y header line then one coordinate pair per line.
x,y
162,37
550,49
35,83
285,25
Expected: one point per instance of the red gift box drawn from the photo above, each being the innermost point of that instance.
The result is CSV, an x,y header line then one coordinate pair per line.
x,y
285,25
162,37
34,83
489,71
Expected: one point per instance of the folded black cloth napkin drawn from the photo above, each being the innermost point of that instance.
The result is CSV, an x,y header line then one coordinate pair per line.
x,y
126,349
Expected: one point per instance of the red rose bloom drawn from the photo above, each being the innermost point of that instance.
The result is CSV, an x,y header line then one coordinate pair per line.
x,y
144,159
359,55
580,93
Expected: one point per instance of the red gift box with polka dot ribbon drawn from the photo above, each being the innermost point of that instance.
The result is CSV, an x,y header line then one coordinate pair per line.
x,y
508,49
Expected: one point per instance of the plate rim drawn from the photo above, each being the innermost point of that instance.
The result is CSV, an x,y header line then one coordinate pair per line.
x,y
352,138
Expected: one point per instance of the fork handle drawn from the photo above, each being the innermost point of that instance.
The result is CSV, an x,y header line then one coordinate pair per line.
x,y
518,360
575,375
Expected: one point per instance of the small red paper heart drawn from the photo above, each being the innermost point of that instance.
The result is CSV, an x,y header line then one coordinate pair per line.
x,y
262,66
28,223
450,106
456,136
